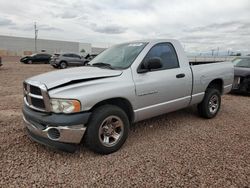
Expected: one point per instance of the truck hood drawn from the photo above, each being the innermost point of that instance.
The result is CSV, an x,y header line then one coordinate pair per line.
x,y
241,71
73,75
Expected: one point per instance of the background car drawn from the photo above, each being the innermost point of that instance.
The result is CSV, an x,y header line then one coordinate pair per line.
x,y
36,58
67,59
241,75
1,61
89,57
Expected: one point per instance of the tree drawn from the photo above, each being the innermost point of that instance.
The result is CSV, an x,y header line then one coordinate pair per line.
x,y
83,51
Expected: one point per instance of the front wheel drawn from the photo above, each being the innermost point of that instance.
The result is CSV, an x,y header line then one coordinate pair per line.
x,y
210,105
30,62
63,65
107,130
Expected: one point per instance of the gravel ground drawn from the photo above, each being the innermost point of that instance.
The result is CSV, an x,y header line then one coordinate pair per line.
x,y
179,149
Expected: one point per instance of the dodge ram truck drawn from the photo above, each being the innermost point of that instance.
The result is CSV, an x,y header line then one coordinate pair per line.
x,y
127,83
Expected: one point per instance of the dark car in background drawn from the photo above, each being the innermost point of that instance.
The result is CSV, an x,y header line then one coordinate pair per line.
x,y
241,75
89,57
36,58
64,60
1,61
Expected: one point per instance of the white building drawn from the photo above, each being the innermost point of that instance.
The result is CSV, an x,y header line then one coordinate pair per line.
x,y
18,46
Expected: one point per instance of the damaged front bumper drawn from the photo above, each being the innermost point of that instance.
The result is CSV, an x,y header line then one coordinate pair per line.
x,y
59,131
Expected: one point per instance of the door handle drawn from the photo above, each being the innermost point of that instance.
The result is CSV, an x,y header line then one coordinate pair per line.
x,y
182,75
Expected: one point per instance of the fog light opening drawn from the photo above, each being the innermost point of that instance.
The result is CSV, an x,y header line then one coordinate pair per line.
x,y
53,134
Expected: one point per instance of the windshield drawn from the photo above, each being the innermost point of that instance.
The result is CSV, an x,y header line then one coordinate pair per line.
x,y
242,62
119,56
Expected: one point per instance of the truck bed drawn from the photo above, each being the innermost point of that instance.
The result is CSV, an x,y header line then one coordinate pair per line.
x,y
204,73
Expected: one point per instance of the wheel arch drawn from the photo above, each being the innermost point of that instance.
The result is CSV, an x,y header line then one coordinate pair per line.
x,y
120,102
217,84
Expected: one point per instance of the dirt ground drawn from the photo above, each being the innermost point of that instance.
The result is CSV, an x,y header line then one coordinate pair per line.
x,y
179,149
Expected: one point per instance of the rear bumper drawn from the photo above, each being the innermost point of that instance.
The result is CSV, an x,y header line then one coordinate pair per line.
x,y
53,62
55,130
227,88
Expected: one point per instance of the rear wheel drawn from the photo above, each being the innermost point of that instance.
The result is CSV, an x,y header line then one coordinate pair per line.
x,y
210,105
107,129
63,65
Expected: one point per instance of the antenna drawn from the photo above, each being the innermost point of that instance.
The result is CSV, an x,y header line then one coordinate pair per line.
x,y
36,34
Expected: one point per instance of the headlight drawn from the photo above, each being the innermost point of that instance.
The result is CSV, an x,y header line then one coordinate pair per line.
x,y
65,106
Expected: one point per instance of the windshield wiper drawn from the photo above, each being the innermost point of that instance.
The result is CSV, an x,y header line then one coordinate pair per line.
x,y
100,64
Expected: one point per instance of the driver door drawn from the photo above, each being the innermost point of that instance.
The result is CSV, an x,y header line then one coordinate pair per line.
x,y
162,90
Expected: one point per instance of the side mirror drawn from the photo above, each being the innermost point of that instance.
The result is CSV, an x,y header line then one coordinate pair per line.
x,y
150,64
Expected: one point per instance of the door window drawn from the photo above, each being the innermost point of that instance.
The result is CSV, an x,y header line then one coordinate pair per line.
x,y
167,54
75,56
67,55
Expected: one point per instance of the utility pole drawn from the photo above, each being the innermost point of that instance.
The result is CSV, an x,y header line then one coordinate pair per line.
x,y
213,52
218,49
36,33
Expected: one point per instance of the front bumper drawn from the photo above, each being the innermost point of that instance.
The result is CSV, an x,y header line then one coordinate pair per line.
x,y
67,134
55,129
52,144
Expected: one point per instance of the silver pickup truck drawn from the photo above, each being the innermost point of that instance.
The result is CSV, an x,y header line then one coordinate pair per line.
x,y
125,84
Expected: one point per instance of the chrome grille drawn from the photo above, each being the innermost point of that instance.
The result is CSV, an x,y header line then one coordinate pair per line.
x,y
37,103
36,96
35,90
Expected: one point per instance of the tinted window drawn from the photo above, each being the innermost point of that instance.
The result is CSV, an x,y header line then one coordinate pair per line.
x,y
166,53
39,55
67,55
242,62
44,55
75,56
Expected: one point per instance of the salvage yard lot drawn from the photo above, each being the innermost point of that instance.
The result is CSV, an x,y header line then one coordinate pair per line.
x,y
179,149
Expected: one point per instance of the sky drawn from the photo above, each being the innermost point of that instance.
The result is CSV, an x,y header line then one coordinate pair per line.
x,y
200,25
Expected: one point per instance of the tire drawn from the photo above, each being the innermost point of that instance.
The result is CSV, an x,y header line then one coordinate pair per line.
x,y
63,65
55,66
210,105
30,62
99,128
